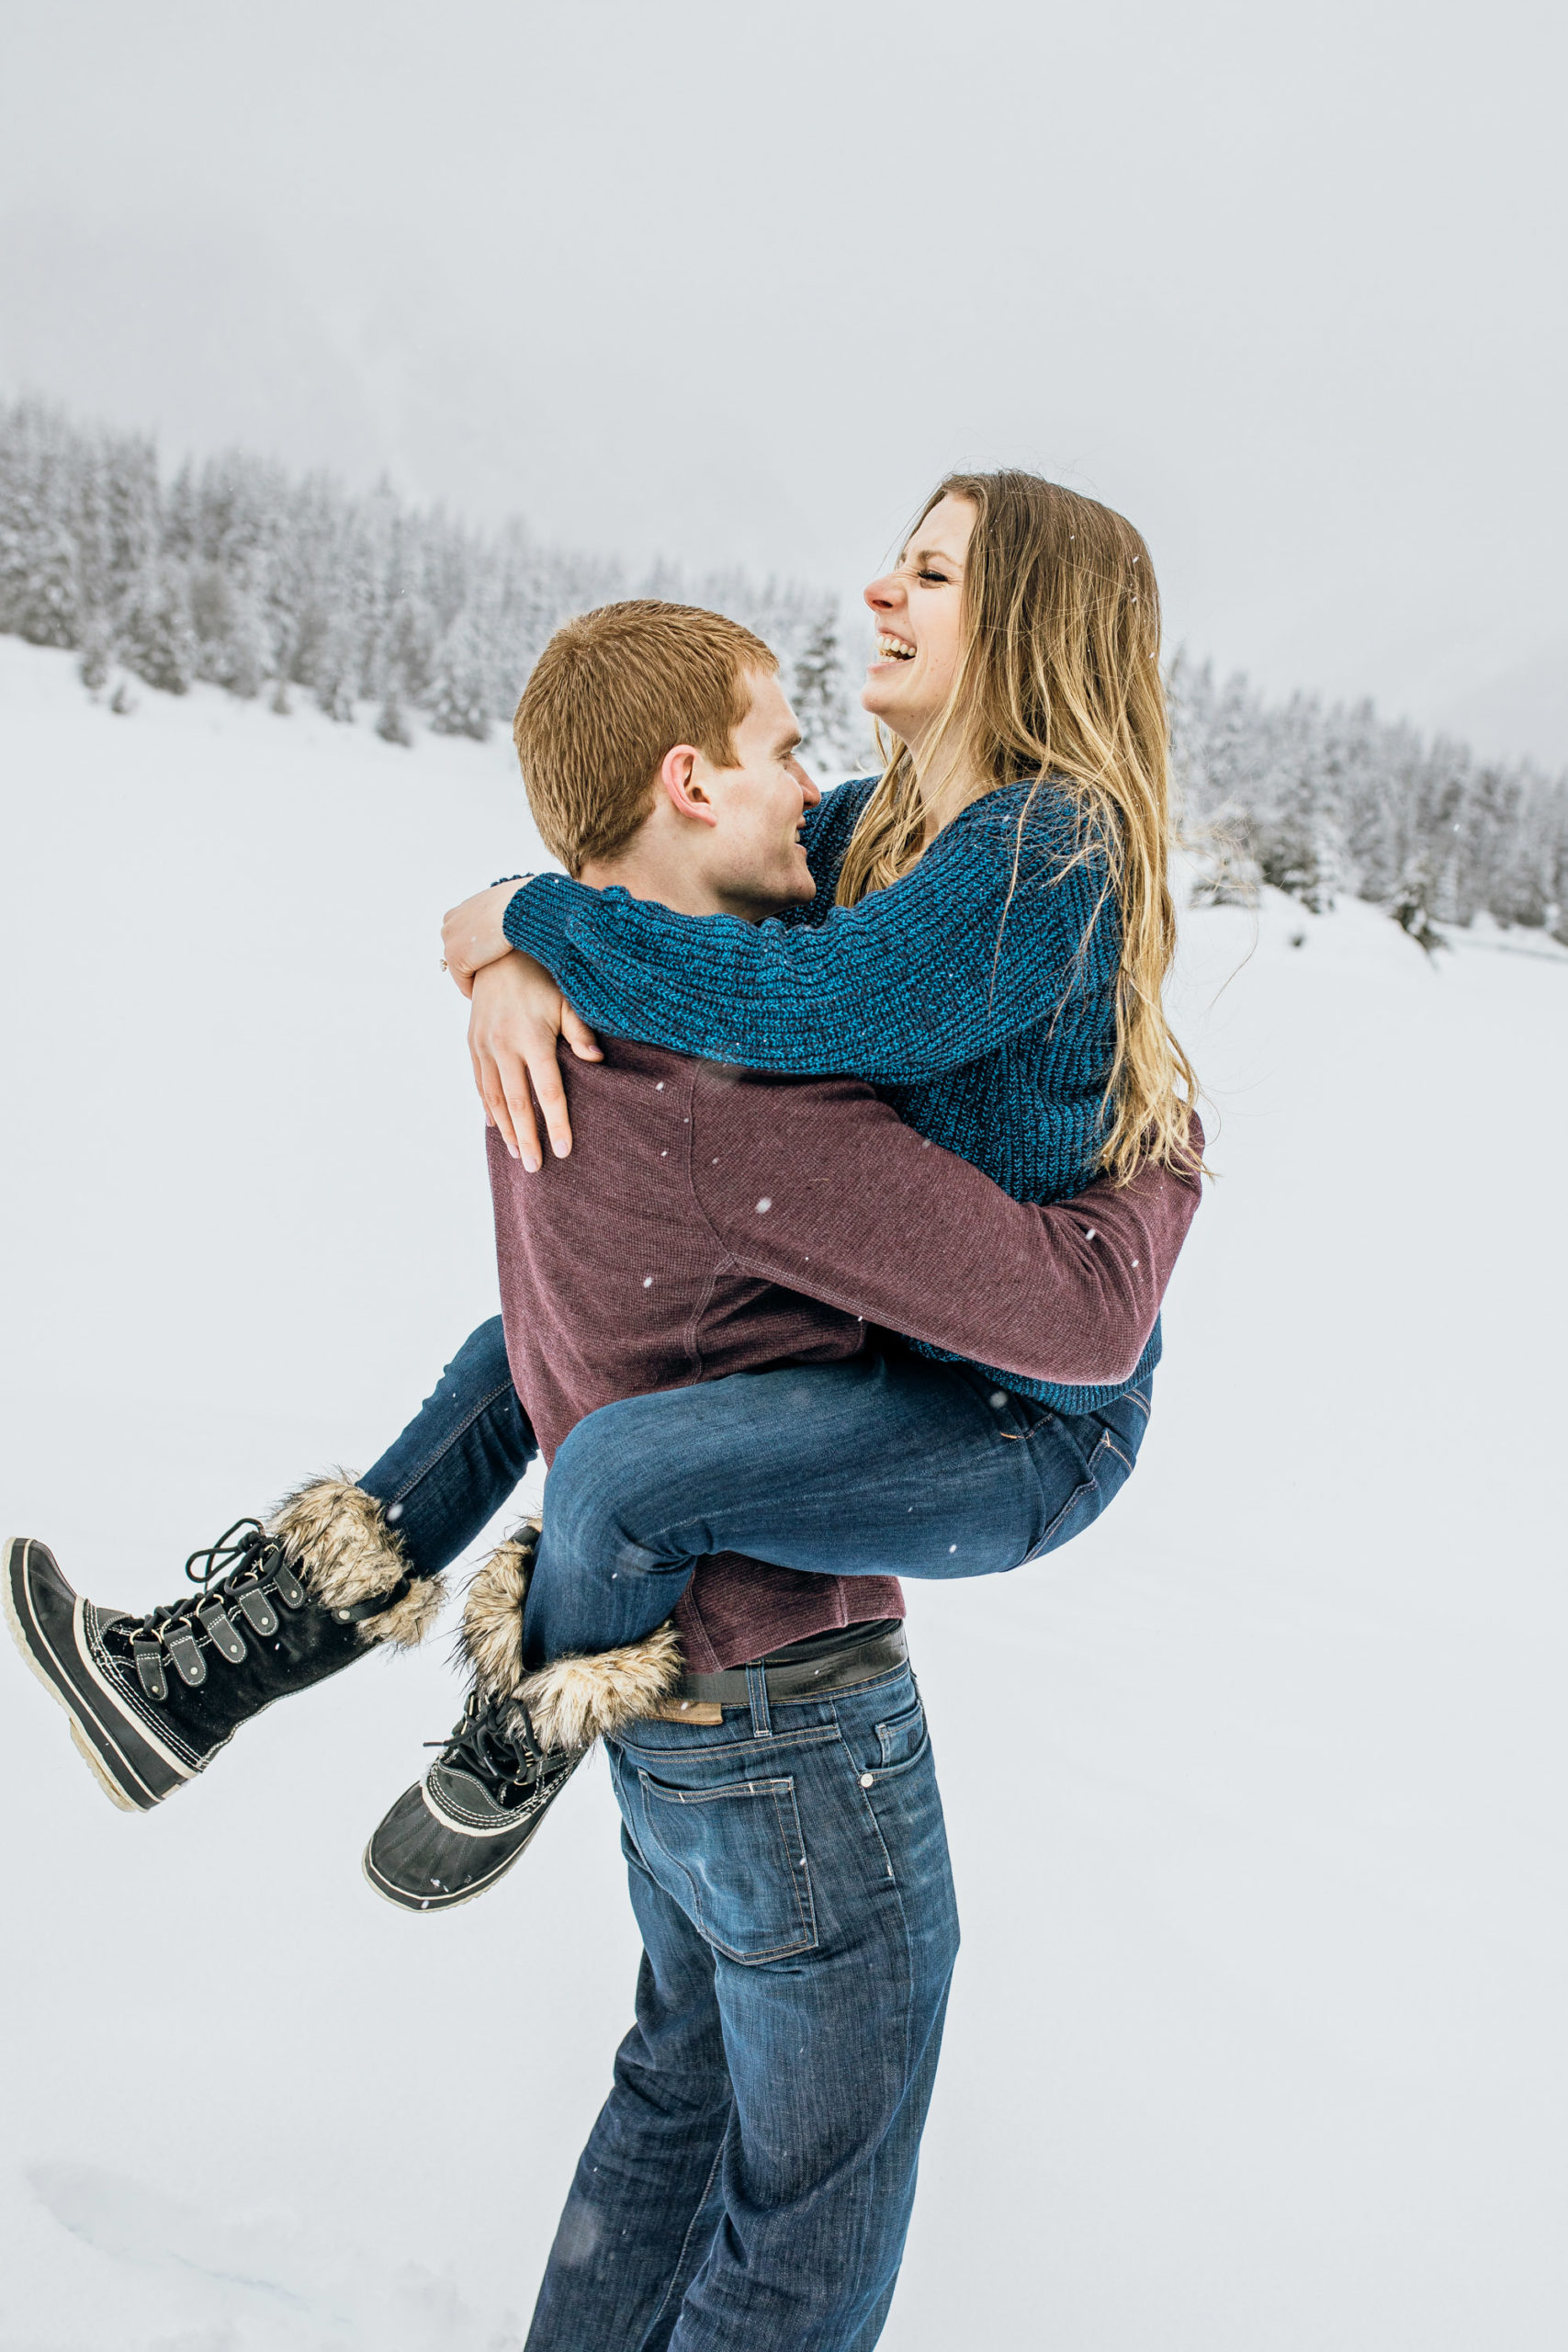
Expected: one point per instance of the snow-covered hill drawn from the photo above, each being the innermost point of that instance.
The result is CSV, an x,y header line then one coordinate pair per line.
x,y
1258,2037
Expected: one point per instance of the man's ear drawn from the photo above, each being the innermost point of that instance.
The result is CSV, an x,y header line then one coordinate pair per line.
x,y
681,772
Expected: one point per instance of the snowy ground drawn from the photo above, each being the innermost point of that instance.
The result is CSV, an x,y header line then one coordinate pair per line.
x,y
1258,2042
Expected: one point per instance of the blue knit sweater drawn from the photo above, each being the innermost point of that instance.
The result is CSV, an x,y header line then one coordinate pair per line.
x,y
994,1036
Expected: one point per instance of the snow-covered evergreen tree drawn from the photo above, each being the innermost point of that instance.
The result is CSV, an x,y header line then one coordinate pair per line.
x,y
238,572
459,703
156,637
391,724
818,691
1340,800
98,652
336,668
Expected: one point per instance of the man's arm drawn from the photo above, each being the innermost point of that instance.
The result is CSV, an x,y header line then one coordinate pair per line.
x,y
819,1185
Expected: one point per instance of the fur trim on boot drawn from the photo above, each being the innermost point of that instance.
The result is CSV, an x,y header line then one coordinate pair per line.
x,y
576,1699
338,1540
491,1639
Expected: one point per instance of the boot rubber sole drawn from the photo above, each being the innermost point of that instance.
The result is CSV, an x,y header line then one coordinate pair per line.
x,y
509,1850
114,1795
103,1747
400,1899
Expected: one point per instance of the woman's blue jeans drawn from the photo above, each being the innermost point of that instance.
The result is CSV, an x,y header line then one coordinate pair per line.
x,y
890,1465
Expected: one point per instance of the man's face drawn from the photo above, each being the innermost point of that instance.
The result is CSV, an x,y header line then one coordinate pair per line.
x,y
752,857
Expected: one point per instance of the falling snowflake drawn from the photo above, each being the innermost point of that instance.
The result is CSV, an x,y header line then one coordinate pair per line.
x,y
763,1205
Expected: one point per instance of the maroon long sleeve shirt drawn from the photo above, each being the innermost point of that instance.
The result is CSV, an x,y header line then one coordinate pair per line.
x,y
712,1220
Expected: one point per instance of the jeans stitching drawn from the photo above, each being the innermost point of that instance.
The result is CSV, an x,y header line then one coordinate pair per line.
x,y
806,1914
696,2216
798,1867
442,1451
907,1939
1070,1505
810,1735
904,1764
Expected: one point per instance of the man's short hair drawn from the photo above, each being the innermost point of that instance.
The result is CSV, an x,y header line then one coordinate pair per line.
x,y
612,692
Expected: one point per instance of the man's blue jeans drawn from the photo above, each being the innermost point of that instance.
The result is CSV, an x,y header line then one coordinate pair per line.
x,y
890,1465
750,2179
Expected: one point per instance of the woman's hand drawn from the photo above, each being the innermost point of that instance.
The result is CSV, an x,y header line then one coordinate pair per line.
x,y
472,935
518,1015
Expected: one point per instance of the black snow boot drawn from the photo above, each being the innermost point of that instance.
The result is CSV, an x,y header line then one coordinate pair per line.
x,y
152,1699
521,1737
460,1829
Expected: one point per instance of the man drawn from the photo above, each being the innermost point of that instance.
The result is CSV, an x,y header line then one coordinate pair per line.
x,y
750,2179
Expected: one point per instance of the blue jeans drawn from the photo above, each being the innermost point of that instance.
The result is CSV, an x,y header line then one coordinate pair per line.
x,y
891,1465
459,1458
750,2179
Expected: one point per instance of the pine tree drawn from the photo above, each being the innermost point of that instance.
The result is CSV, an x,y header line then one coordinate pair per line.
x,y
38,593
407,642
247,654
391,724
49,613
128,496
820,704
239,574
336,669
459,703
157,640
98,652
1412,906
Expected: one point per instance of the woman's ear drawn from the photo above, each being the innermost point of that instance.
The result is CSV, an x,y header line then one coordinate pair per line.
x,y
681,772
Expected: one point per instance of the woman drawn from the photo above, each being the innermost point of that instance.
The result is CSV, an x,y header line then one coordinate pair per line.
x,y
991,933
992,927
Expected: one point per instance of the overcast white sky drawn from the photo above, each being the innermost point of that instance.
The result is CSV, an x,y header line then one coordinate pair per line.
x,y
733,283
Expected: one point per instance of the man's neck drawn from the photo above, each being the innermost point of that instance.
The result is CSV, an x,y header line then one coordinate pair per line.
x,y
652,877
652,869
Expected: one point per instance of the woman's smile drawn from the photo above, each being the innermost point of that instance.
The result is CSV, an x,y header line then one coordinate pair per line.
x,y
890,649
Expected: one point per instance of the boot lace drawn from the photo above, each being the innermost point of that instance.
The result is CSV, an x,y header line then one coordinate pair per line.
x,y
229,1571
503,1756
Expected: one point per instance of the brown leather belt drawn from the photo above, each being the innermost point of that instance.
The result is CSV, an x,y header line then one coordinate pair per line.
x,y
856,1656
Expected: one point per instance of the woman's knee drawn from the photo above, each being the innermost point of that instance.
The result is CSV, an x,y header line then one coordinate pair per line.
x,y
608,1488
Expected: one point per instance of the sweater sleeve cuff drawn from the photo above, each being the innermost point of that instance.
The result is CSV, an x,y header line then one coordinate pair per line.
x,y
536,917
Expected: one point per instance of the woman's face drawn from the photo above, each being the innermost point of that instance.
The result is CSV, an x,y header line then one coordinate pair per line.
x,y
918,612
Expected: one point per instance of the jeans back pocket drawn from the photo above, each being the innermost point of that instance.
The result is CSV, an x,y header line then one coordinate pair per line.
x,y
741,1858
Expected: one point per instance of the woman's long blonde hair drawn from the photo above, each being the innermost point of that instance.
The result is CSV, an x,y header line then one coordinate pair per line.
x,y
1059,678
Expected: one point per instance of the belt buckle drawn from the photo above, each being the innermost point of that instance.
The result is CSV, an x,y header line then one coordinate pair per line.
x,y
685,1711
